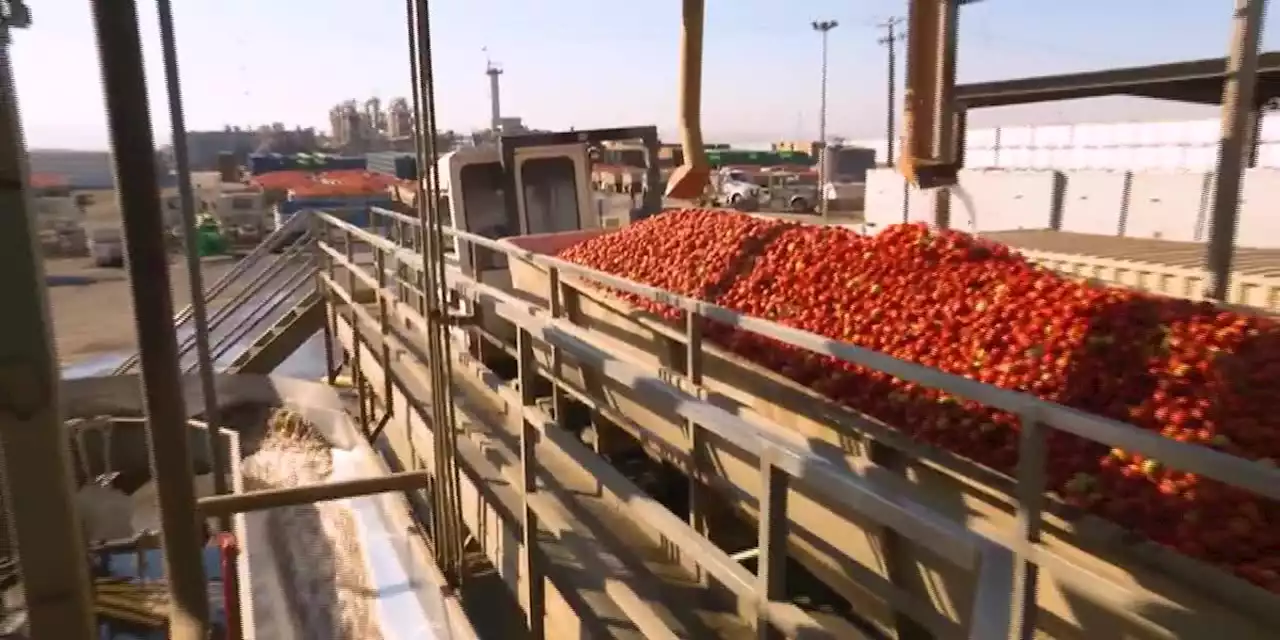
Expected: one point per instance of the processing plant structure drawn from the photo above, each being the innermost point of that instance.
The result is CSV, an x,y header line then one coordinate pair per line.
x,y
474,420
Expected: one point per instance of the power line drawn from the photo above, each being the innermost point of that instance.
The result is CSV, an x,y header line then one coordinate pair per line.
x,y
890,40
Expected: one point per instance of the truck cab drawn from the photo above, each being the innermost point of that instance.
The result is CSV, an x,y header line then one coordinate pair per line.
x,y
533,184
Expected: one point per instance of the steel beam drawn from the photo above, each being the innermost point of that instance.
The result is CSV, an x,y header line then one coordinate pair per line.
x,y
147,259
1237,111
34,455
227,504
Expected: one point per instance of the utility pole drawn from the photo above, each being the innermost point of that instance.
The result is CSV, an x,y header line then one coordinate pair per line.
x,y
890,40
823,27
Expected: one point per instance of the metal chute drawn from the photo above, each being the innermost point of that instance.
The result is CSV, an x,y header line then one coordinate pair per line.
x,y
690,179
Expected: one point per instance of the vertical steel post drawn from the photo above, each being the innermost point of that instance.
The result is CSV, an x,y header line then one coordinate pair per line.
x,y
700,458
444,425
34,458
1237,107
324,266
1031,474
133,149
199,310
533,570
944,107
771,569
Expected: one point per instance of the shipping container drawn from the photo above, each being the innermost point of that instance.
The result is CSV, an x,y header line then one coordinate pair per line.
x,y
393,163
260,164
353,210
724,157
794,157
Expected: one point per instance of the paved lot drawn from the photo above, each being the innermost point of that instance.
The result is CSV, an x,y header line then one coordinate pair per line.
x,y
94,315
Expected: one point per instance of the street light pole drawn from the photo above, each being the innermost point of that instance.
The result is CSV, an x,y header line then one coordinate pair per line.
x,y
823,27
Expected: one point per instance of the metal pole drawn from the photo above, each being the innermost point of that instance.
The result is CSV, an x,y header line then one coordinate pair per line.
x,y
944,107
890,40
448,516
133,149
822,133
34,459
310,493
823,27
199,310
1237,108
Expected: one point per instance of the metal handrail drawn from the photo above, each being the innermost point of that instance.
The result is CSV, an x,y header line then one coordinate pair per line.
x,y
1037,415
1257,478
780,461
287,291
291,225
255,286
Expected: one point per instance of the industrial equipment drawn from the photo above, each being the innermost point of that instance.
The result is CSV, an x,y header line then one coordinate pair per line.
x,y
621,474
689,180
209,234
523,290
106,247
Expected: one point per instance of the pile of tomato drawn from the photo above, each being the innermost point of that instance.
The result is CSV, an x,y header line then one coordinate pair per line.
x,y
690,252
974,308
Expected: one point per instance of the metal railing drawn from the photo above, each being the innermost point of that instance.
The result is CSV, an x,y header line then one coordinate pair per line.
x,y
781,463
290,238
1038,416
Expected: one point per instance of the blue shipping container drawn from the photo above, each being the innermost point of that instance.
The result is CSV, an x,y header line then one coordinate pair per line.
x,y
407,168
393,163
264,163
351,163
357,214
269,162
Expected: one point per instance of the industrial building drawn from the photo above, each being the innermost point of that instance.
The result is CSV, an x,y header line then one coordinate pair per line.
x,y
203,147
77,169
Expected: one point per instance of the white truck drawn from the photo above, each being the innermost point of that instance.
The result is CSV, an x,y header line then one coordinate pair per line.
x,y
771,190
106,246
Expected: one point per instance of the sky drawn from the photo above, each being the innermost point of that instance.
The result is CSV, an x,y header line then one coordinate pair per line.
x,y
594,63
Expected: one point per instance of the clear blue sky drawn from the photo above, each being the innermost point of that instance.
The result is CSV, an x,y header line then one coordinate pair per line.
x,y
588,63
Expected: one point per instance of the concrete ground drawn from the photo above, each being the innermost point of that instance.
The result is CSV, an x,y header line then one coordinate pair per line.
x,y
93,314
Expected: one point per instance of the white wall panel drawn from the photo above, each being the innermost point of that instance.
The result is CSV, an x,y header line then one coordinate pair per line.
x,y
1094,201
1166,205
1054,136
980,158
1270,129
982,138
884,201
1005,200
1259,226
1017,136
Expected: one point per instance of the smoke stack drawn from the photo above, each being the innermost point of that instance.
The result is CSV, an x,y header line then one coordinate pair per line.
x,y
495,101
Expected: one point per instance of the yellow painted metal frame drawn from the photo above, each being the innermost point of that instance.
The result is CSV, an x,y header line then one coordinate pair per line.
x,y
690,179
928,158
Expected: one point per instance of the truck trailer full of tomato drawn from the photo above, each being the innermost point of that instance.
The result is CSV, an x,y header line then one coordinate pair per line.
x,y
960,342
701,424
1184,371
